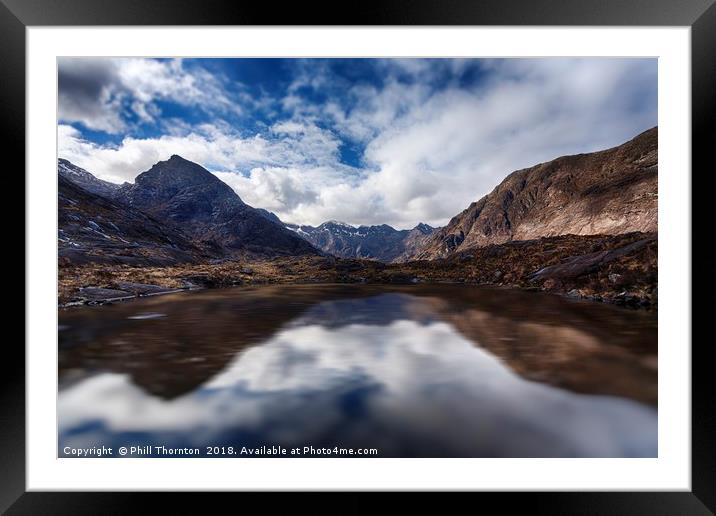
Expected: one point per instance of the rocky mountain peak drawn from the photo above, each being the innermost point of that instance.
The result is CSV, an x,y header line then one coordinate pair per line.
x,y
337,223
84,179
608,192
380,242
178,172
423,228
187,195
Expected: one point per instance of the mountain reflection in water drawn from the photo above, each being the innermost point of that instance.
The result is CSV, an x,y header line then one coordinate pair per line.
x,y
414,371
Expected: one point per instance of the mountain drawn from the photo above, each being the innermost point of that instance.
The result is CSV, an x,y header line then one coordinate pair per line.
x,y
84,179
269,215
415,239
188,196
93,228
383,243
611,192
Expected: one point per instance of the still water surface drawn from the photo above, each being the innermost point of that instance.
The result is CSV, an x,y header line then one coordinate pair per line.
x,y
413,371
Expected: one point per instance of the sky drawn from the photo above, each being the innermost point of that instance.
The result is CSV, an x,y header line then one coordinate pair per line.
x,y
363,141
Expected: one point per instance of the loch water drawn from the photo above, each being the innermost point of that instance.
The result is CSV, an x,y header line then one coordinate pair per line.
x,y
408,371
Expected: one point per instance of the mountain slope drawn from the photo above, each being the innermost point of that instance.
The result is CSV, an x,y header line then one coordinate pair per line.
x,y
93,228
382,243
608,192
84,179
415,240
187,195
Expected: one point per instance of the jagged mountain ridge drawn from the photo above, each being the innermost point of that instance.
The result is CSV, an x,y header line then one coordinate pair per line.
x,y
613,191
84,179
382,242
607,192
187,195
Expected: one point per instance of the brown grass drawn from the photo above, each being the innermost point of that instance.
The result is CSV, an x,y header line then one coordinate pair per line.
x,y
629,280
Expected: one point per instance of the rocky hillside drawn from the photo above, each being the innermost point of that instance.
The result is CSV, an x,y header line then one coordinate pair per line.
x,y
383,243
415,240
84,179
608,192
95,229
186,195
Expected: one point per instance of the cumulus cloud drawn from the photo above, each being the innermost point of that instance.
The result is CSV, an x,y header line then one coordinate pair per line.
x,y
428,146
103,94
217,147
86,94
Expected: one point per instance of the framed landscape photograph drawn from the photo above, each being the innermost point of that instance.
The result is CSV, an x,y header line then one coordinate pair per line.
x,y
297,283
430,251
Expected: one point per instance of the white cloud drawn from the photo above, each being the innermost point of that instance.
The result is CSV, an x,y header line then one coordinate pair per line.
x,y
102,94
292,388
301,150
374,110
429,151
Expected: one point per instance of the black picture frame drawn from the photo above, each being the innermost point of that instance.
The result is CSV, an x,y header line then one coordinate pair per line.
x,y
17,15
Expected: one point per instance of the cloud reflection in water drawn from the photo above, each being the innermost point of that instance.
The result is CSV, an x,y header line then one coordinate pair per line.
x,y
383,371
